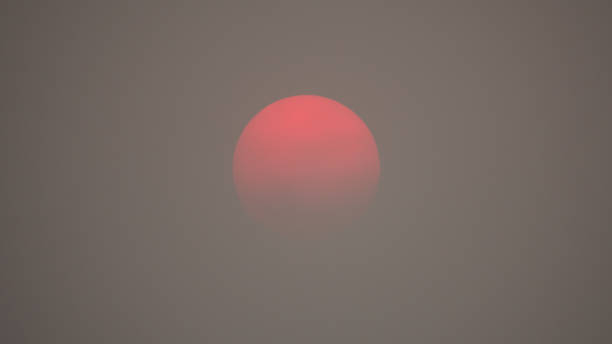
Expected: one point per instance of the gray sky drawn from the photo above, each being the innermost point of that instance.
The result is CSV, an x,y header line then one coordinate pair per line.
x,y
120,223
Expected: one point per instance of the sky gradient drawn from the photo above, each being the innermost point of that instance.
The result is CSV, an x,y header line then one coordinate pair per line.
x,y
120,222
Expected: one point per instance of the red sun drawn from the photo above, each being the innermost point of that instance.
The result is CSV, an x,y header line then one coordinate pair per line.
x,y
305,160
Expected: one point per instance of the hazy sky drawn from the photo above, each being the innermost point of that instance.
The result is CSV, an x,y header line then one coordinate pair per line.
x,y
119,219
